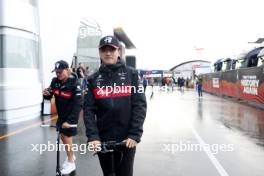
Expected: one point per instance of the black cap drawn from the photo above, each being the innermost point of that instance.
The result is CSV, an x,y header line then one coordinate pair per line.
x,y
60,65
110,41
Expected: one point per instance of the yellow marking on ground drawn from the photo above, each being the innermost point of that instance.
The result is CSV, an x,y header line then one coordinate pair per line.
x,y
27,128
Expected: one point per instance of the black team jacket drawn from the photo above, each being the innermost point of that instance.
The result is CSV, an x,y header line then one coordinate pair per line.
x,y
68,99
114,104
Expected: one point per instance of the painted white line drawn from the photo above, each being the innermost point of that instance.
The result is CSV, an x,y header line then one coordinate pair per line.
x,y
210,155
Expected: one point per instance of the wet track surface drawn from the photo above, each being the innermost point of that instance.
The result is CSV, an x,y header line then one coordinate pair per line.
x,y
183,136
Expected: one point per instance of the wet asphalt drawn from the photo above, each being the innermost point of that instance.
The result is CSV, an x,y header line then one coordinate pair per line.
x,y
183,136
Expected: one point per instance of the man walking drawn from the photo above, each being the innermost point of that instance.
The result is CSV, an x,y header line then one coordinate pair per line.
x,y
112,115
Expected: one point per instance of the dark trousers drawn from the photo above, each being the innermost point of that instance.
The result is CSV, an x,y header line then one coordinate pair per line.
x,y
145,87
123,162
200,91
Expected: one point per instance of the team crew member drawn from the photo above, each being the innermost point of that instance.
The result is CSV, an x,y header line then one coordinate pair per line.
x,y
68,101
116,116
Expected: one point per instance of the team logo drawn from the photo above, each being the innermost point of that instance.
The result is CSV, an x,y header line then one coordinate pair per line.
x,y
57,65
108,39
122,75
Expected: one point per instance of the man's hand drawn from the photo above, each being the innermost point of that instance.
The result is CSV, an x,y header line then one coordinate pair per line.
x,y
65,125
94,145
130,143
46,92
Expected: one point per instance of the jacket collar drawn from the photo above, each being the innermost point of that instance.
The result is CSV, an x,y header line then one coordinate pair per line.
x,y
112,68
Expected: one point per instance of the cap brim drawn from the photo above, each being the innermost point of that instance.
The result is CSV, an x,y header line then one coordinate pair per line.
x,y
108,45
56,69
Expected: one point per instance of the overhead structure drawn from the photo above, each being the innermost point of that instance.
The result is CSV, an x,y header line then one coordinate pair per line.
x,y
122,36
189,68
